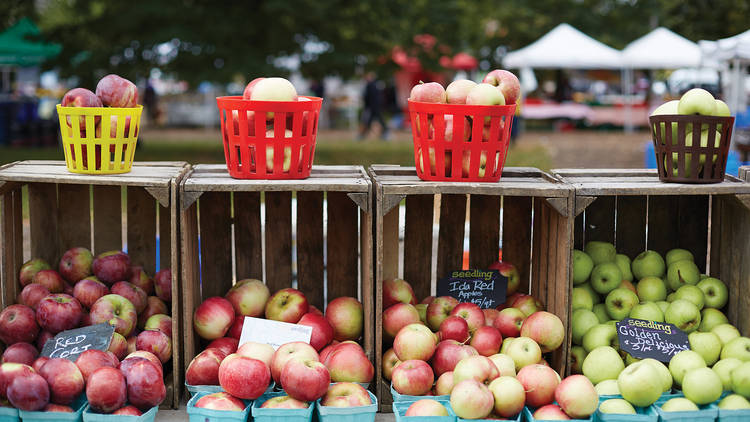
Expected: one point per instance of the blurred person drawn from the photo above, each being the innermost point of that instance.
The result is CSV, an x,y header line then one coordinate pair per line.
x,y
373,99
151,103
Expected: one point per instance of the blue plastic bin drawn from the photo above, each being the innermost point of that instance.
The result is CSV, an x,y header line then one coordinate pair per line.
x,y
348,414
643,414
707,413
90,416
518,418
9,414
400,408
405,397
529,416
280,415
199,414
194,389
79,405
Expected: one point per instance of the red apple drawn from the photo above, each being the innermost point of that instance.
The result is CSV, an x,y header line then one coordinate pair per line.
x,y
390,361
81,97
438,310
527,304
545,328
156,342
397,317
163,284
58,312
23,353
131,344
9,371
134,294
75,264
242,377
139,278
577,396
154,306
161,323
426,407
322,333
220,401
204,368
42,339
213,317
49,279
348,363
39,362
305,379
261,351
454,328
285,352
471,399
128,411
431,92
28,392
313,310
396,291
32,294
415,341
118,346
89,290
509,301
346,316
284,402
116,91
506,82
51,407
116,311
346,394
539,382
247,93
487,340
327,350
550,412
448,354
248,297
133,357
489,316
67,289
91,360
287,305
509,271
106,390
444,384
18,324
427,300
472,313
30,268
413,378
64,378
509,322
235,330
111,267
114,358
228,345
479,368
146,387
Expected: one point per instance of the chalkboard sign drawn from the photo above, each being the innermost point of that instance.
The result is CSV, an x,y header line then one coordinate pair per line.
x,y
485,288
70,344
649,339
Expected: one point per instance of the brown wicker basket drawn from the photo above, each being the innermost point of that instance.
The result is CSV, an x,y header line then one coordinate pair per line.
x,y
675,149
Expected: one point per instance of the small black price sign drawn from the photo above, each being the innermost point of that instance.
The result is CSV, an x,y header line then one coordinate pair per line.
x,y
485,288
649,339
70,344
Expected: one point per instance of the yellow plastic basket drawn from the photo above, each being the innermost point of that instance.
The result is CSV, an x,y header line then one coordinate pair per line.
x,y
108,134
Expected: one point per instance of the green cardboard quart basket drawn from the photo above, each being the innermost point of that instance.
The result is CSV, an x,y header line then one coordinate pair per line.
x,y
280,415
199,414
91,416
400,408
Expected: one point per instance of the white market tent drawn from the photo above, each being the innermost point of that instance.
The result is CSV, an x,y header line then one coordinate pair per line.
x,y
734,51
661,49
565,47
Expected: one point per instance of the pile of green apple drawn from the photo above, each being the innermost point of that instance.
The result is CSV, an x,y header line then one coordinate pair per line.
x,y
663,289
696,101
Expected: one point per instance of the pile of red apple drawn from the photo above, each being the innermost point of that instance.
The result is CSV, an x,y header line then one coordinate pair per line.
x,y
499,87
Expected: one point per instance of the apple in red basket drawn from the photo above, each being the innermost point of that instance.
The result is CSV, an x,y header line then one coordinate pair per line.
x,y
448,354
261,351
506,82
487,340
49,279
284,402
64,378
346,316
390,361
305,379
248,92
32,294
142,354
285,352
395,291
243,377
399,316
116,311
248,297
81,97
235,330
228,345
287,305
134,294
30,268
527,304
91,360
472,313
413,378
111,267
322,333
163,284
509,322
23,353
438,310
154,306
28,392
75,264
18,324
128,411
545,328
346,394
348,363
431,92
89,290
204,368
220,401
444,384
213,317
457,90
161,323
454,328
51,407
156,342
273,89
550,412
106,390
58,312
116,91
39,362
138,277
146,387
489,316
118,346
508,270
539,382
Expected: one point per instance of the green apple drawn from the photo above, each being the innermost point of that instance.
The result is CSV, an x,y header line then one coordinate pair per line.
x,y
602,363
651,289
681,273
724,368
629,359
702,386
678,404
741,380
734,402
722,109
606,277
422,311
670,297
617,406
577,356
715,292
594,295
692,294
683,362
697,101
623,262
704,276
726,332
711,318
600,252
600,335
506,344
737,348
670,107
581,321
663,305
675,255
640,384
648,264
620,302
581,299
707,345
663,371
607,388
647,310
582,266
600,310
684,315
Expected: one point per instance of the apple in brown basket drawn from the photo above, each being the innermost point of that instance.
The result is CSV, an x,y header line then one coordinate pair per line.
x,y
163,284
156,342
111,267
32,294
23,353
348,363
116,91
39,362
42,339
346,316
58,312
118,346
161,323
235,330
50,279
116,311
248,297
18,324
228,345
133,293
138,277
154,306
106,390
213,317
287,305
30,268
322,333
305,379
75,264
89,290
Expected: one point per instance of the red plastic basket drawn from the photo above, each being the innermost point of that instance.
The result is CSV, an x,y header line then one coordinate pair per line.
x,y
477,156
269,139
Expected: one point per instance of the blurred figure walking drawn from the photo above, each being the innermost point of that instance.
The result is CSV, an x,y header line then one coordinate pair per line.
x,y
373,106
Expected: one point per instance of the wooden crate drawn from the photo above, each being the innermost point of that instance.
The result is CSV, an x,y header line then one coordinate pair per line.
x,y
744,173
434,245
635,211
64,208
223,238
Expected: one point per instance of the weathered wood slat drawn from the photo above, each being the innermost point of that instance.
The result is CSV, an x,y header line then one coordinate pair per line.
x,y
663,223
517,237
484,230
248,238
631,225
310,268
418,243
579,234
278,240
539,260
600,220
451,234
142,228
216,184
342,245
43,222
215,243
191,276
12,245
717,246
73,211
366,284
165,237
390,244
107,218
692,233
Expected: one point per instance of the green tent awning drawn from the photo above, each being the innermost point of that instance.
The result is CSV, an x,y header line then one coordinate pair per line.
x,y
16,49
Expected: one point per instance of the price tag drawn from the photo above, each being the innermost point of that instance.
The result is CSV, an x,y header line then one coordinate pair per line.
x,y
70,344
649,339
274,333
485,288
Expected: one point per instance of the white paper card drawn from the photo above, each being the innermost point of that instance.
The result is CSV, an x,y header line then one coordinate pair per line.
x,y
272,332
